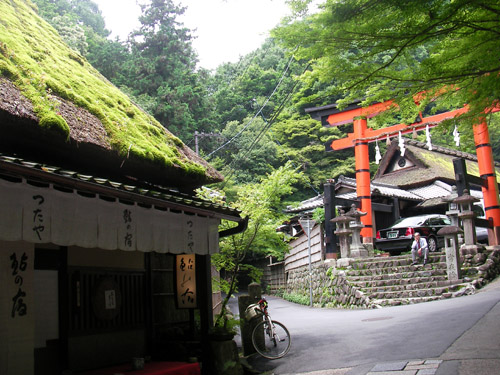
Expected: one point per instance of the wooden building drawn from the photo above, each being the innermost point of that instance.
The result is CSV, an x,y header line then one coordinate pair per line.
x,y
104,246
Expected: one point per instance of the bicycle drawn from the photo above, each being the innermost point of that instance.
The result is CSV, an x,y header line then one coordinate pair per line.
x,y
270,338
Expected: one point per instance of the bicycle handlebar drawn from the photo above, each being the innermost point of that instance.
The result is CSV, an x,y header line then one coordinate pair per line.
x,y
263,305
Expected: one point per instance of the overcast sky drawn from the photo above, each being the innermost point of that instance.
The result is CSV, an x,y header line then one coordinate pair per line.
x,y
225,29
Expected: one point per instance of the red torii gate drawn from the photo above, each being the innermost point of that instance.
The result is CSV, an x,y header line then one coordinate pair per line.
x,y
331,116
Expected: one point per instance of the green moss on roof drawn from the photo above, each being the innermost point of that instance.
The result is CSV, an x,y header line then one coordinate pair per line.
x,y
36,60
442,164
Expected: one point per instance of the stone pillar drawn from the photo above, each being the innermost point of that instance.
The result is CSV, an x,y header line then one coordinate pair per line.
x,y
343,232
453,264
467,216
331,250
357,248
246,327
453,210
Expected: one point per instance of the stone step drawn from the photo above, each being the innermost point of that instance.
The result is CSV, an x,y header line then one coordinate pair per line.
x,y
417,293
401,282
390,281
371,263
395,269
405,301
456,290
419,272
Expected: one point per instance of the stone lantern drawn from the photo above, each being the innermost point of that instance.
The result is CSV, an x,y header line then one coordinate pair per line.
x,y
451,245
453,211
343,231
467,216
357,248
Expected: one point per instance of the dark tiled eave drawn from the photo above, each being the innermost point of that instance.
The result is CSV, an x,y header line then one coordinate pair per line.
x,y
321,113
163,198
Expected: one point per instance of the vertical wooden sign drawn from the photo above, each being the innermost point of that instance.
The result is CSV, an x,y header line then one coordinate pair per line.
x,y
185,271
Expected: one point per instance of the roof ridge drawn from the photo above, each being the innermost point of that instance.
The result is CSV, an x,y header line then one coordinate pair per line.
x,y
444,150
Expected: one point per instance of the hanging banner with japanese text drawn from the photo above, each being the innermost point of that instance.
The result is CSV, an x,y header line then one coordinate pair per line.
x,y
38,214
17,317
185,271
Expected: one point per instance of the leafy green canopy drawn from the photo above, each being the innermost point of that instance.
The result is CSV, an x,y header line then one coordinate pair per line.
x,y
34,57
394,49
262,203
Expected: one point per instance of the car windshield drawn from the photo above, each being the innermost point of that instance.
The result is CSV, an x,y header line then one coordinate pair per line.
x,y
416,221
409,222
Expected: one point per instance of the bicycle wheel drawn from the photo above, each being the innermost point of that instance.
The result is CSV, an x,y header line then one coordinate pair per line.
x,y
267,345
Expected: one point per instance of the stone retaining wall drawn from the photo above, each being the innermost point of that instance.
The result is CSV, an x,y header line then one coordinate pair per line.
x,y
330,287
482,266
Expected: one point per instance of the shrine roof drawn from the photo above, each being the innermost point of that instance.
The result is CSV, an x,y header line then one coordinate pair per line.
x,y
429,165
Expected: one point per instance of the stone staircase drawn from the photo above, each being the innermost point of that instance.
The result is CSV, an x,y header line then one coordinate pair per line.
x,y
388,281
394,281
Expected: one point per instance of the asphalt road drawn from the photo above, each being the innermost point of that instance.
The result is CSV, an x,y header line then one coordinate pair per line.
x,y
325,339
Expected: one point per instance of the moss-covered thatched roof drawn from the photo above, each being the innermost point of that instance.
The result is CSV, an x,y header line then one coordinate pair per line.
x,y
55,107
430,165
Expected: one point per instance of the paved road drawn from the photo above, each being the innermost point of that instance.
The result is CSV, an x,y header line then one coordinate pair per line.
x,y
354,341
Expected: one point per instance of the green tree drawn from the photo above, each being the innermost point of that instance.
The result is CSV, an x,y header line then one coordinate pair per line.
x,y
77,21
302,140
262,203
249,151
261,80
387,49
81,25
162,68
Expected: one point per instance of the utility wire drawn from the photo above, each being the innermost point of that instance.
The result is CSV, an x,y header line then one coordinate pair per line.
x,y
291,161
258,112
268,123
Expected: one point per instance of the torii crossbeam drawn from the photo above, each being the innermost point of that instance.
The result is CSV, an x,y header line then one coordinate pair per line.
x,y
331,116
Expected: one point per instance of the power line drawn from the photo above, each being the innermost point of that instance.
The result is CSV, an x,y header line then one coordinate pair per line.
x,y
268,123
291,161
258,112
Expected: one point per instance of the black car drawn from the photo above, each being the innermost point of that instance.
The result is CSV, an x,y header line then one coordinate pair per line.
x,y
399,236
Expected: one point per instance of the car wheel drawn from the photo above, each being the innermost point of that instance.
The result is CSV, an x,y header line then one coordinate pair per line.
x,y
432,242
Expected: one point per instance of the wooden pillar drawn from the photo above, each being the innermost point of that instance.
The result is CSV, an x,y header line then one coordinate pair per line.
x,y
461,178
396,214
487,173
332,250
204,287
363,178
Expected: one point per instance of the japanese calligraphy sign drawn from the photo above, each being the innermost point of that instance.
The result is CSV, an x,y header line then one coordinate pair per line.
x,y
128,233
18,266
17,313
38,214
36,219
185,271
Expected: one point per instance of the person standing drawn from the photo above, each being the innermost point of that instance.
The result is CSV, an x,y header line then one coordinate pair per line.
x,y
419,248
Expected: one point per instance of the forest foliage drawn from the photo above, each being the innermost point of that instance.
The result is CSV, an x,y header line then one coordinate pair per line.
x,y
247,118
